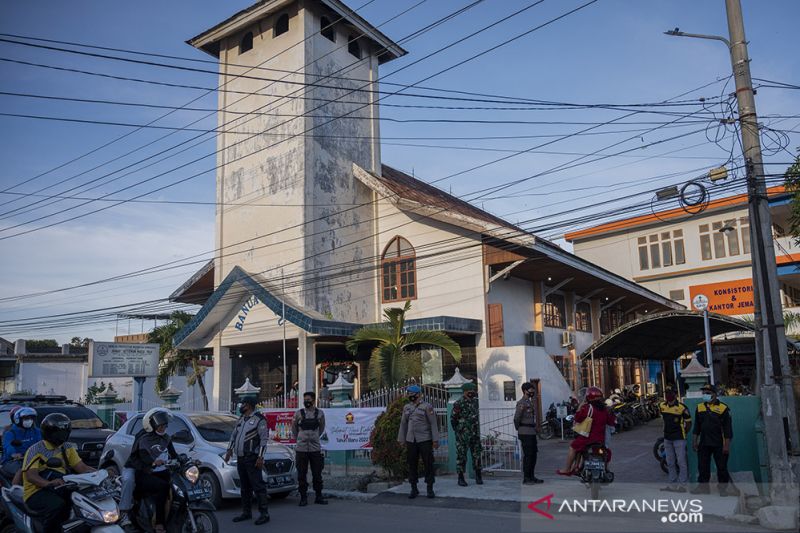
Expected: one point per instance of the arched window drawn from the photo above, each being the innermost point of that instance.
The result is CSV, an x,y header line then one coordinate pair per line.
x,y
246,43
353,47
398,271
281,25
326,29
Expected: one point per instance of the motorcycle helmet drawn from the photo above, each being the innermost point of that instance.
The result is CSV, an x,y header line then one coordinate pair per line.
x,y
13,411
157,416
22,413
593,394
56,428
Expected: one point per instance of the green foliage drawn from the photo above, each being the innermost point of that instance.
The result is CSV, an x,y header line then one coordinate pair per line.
x,y
172,360
78,342
386,451
792,183
94,390
38,345
391,359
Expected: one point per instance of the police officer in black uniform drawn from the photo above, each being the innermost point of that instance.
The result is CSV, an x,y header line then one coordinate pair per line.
x,y
308,425
248,443
712,437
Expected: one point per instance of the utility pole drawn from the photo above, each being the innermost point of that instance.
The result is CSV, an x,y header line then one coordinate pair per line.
x,y
777,396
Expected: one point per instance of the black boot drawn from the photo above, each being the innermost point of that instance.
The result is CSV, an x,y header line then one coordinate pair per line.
x,y
320,499
303,500
478,477
461,481
246,515
263,518
414,492
430,491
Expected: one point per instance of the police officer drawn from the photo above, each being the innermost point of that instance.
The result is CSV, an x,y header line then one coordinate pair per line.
x,y
249,442
677,422
419,432
466,425
307,426
525,424
712,437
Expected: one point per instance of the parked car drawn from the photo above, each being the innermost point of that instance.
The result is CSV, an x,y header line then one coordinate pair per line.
x,y
204,436
89,432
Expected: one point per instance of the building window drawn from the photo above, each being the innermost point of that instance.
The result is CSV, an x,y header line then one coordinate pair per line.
x,y
791,296
677,295
661,249
610,319
326,29
281,25
353,47
246,43
583,317
398,271
554,315
724,238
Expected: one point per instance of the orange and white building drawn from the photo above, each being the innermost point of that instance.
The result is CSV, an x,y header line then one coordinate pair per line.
x,y
679,255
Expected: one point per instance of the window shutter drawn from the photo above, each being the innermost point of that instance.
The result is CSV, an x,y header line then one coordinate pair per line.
x,y
496,325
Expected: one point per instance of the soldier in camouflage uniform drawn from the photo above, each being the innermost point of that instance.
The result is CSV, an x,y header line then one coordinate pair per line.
x,y
466,425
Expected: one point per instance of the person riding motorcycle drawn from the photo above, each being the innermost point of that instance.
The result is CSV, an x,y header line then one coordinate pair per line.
x,y
150,451
22,434
595,407
41,475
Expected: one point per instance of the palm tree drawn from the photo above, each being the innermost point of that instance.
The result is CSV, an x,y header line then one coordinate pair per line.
x,y
389,359
171,360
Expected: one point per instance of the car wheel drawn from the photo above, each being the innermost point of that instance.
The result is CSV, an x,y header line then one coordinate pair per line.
x,y
279,495
210,482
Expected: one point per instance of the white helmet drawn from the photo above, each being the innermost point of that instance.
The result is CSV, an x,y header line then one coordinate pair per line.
x,y
157,416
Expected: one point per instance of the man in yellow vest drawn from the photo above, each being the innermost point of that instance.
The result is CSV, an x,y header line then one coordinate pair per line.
x,y
712,437
677,422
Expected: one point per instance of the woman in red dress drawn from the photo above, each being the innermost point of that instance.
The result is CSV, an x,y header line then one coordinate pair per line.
x,y
601,417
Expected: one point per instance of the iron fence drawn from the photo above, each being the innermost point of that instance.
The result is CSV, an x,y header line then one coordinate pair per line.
x,y
499,439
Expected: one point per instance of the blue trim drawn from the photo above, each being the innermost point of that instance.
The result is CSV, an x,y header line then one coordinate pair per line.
x,y
788,270
318,326
780,200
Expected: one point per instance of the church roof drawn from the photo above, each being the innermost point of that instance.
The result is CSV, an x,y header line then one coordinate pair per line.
x,y
208,41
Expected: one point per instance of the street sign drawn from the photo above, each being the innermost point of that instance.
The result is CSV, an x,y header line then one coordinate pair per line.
x,y
561,411
700,302
118,359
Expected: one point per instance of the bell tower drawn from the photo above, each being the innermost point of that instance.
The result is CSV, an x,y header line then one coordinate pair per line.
x,y
296,109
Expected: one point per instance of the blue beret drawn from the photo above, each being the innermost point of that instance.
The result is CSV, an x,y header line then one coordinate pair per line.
x,y
414,389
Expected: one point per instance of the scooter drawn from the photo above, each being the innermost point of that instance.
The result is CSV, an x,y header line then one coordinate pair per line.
x,y
592,468
190,510
93,505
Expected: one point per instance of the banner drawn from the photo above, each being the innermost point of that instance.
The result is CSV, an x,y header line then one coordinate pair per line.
x,y
727,297
345,428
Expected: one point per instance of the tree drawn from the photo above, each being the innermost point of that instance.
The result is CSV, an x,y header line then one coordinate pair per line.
x,y
172,360
78,342
94,390
792,183
41,345
389,362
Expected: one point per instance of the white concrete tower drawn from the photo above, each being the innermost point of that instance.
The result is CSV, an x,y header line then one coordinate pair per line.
x,y
282,144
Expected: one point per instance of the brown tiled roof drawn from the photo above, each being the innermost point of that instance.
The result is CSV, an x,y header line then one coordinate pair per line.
x,y
410,188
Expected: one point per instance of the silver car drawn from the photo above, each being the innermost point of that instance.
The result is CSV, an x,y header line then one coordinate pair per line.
x,y
204,436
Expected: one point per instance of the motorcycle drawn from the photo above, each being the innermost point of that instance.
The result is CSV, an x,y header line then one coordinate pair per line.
x,y
660,453
190,510
93,505
592,468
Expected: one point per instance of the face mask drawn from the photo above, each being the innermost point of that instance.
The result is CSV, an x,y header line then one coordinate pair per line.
x,y
27,424
706,397
161,432
308,403
413,397
243,410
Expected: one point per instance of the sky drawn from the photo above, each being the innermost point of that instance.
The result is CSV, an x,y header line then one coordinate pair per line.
x,y
610,52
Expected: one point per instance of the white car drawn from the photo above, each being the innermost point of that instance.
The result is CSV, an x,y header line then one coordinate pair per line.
x,y
204,436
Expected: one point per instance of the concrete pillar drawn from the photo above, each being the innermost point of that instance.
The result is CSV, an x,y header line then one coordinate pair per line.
x,y
342,392
695,375
19,347
170,397
454,392
306,359
106,411
247,391
221,395
65,349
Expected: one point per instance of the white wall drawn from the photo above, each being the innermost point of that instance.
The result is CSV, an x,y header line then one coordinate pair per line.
x,y
61,378
516,296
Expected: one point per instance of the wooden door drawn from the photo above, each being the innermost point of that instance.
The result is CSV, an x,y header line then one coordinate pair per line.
x,y
496,325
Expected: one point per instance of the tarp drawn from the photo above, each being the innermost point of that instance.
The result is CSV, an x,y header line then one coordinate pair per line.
x,y
345,428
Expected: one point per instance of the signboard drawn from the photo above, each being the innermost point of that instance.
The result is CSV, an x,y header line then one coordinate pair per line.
x,y
118,359
561,411
727,297
700,302
345,428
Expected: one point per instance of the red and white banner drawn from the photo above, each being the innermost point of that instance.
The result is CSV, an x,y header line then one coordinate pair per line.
x,y
345,429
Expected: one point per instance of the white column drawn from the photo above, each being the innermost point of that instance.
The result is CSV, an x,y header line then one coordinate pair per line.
x,y
221,394
306,359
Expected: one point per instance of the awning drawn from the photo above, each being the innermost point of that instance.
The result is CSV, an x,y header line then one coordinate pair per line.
x,y
663,336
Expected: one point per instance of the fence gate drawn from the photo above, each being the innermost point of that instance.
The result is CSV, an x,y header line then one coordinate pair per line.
x,y
501,451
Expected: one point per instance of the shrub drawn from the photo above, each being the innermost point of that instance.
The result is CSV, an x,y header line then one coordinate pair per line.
x,y
386,451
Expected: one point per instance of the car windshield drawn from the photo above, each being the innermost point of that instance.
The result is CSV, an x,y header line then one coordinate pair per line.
x,y
214,428
81,417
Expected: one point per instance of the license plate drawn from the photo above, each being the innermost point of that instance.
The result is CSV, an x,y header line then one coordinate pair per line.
x,y
594,463
199,493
